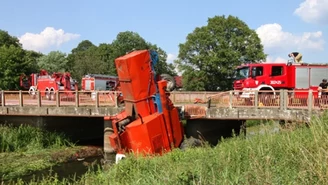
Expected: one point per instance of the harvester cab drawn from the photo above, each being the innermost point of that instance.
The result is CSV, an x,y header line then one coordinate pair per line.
x,y
149,123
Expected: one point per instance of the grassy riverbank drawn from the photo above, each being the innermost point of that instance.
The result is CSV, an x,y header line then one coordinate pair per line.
x,y
290,156
26,149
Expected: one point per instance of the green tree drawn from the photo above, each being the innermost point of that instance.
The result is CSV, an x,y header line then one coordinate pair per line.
x,y
87,58
7,40
211,53
162,66
55,61
12,64
14,61
89,62
31,60
83,46
128,41
104,52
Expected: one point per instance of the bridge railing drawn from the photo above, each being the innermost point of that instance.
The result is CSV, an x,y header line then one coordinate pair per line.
x,y
281,99
59,98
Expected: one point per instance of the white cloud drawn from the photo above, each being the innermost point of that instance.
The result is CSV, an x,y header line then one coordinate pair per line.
x,y
276,60
313,11
49,37
170,58
276,40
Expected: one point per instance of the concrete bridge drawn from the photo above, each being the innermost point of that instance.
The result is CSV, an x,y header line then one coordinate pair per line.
x,y
282,105
80,114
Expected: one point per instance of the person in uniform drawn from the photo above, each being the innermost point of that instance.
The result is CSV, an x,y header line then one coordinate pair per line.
x,y
296,56
323,88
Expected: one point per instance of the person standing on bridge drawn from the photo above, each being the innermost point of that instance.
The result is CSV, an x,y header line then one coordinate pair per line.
x,y
323,88
297,57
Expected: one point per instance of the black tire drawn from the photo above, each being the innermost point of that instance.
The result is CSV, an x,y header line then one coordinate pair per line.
x,y
171,84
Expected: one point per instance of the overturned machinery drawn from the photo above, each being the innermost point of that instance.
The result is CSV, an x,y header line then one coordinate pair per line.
x,y
150,123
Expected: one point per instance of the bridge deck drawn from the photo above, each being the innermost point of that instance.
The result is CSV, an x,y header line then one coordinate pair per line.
x,y
223,105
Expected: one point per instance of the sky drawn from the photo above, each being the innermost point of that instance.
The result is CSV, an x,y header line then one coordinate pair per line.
x,y
283,26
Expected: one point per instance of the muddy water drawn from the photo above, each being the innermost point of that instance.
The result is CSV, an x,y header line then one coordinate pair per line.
x,y
71,171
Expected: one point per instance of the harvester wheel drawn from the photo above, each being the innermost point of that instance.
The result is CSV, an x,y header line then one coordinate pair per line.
x,y
170,81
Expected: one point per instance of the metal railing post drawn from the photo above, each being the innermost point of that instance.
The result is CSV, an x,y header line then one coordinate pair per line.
x,y
20,99
189,97
230,99
281,99
57,98
310,100
77,99
38,97
285,99
97,99
173,98
256,99
115,99
3,100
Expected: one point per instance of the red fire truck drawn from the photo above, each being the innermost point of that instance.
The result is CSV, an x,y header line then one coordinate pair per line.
x,y
48,84
271,77
99,82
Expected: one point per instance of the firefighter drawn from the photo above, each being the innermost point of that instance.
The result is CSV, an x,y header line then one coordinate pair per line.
x,y
296,56
323,87
323,91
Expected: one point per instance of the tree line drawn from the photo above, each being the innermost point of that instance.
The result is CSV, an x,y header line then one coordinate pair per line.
x,y
206,60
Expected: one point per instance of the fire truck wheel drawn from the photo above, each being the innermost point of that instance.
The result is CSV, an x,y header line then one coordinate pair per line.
x,y
32,92
170,81
52,95
47,95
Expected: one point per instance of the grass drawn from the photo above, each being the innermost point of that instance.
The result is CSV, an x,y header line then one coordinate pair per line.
x,y
27,138
288,157
294,155
26,149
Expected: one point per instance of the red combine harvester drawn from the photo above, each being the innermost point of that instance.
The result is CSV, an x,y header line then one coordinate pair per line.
x,y
48,84
270,77
150,123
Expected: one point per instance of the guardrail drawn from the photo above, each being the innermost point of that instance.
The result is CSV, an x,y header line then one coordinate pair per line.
x,y
282,99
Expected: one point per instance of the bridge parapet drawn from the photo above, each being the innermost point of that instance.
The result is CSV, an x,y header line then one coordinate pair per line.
x,y
221,105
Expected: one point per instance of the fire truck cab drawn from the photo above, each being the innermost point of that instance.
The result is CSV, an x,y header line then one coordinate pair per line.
x,y
275,76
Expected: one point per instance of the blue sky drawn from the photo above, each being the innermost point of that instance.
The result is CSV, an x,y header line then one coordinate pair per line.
x,y
283,25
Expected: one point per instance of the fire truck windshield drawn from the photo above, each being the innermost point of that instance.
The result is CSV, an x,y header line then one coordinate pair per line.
x,y
242,73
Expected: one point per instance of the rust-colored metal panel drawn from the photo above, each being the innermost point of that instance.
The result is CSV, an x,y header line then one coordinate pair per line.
x,y
194,111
